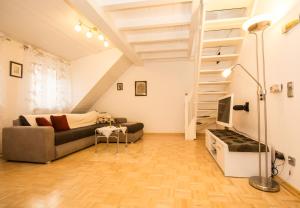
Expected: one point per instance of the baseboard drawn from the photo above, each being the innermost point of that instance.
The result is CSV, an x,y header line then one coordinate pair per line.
x,y
164,133
288,186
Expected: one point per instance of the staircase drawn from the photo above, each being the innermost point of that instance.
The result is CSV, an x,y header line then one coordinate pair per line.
x,y
222,39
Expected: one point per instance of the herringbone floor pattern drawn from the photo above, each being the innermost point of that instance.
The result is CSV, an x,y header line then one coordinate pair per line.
x,y
159,171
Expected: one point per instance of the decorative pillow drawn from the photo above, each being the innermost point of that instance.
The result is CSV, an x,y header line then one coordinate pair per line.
x,y
31,118
23,121
120,120
60,123
41,121
104,117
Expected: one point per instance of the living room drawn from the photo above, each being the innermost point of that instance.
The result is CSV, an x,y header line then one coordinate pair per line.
x,y
149,103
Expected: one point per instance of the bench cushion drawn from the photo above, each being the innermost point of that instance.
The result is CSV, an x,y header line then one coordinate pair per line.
x,y
237,142
133,127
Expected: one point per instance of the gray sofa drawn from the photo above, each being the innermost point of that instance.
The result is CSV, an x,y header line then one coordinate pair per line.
x,y
42,144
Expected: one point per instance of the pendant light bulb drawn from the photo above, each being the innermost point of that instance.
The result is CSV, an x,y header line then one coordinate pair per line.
x,y
89,34
106,43
101,37
77,27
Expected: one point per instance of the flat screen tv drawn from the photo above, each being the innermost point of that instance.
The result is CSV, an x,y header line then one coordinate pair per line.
x,y
225,107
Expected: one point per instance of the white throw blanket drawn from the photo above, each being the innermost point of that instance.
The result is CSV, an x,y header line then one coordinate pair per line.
x,y
108,130
81,120
74,120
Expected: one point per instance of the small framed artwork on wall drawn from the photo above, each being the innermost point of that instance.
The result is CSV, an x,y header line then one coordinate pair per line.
x,y
119,86
140,88
15,69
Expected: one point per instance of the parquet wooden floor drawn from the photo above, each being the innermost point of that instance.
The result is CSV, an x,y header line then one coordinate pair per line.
x,y
159,171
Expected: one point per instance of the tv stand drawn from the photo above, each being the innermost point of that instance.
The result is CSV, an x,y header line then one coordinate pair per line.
x,y
236,155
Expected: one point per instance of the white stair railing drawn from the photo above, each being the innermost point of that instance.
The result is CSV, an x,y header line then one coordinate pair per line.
x,y
191,98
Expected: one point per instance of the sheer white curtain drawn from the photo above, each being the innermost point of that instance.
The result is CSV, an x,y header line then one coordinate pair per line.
x,y
50,90
2,41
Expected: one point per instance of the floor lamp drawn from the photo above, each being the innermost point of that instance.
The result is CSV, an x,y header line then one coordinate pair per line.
x,y
257,25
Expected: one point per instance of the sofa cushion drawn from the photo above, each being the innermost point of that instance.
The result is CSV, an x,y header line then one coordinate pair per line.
x,y
23,121
41,121
75,134
133,127
60,123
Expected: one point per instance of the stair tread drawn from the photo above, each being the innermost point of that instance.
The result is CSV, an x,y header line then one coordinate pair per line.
x,y
214,82
212,71
226,23
232,41
207,102
224,57
206,117
212,92
221,56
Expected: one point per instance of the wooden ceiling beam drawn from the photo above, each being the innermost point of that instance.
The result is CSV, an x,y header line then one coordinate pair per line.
x,y
98,18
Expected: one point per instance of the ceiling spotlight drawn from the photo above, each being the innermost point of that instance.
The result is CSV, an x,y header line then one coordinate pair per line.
x,y
106,43
101,37
89,34
77,27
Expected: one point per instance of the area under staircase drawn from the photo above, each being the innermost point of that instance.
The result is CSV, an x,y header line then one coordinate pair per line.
x,y
222,39
110,69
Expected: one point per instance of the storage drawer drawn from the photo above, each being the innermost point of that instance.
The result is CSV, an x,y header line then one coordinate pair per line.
x,y
220,155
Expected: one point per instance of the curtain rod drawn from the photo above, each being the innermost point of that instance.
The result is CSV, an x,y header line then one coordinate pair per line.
x,y
40,51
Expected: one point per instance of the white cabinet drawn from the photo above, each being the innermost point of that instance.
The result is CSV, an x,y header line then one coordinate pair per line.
x,y
235,164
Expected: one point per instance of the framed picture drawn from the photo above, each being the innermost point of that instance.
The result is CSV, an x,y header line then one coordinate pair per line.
x,y
16,69
140,88
119,86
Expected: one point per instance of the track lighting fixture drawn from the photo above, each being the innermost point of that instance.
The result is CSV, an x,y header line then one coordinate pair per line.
x,y
90,32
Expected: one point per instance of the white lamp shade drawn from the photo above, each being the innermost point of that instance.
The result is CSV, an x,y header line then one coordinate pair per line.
x,y
226,73
264,18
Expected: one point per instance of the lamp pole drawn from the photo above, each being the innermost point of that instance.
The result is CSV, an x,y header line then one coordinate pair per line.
x,y
259,25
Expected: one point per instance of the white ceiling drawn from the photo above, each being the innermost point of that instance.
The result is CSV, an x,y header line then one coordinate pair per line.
x,y
155,29
46,24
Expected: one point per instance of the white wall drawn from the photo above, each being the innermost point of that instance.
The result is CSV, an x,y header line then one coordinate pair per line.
x,y
14,92
282,65
87,71
162,110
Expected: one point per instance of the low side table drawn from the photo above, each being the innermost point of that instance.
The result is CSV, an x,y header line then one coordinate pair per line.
x,y
107,132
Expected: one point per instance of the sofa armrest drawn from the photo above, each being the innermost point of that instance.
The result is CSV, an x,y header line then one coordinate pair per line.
x,y
29,144
120,120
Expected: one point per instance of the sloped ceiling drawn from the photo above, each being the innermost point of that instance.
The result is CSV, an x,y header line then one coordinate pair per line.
x,y
46,24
